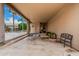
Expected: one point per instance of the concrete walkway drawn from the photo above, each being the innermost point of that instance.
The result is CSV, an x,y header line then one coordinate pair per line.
x,y
37,47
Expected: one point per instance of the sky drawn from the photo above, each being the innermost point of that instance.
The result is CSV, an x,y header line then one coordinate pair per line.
x,y
8,15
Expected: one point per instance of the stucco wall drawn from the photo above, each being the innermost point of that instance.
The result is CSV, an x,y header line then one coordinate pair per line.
x,y
67,21
2,33
35,27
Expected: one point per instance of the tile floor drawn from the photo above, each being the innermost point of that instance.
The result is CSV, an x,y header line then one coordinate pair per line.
x,y
37,47
11,35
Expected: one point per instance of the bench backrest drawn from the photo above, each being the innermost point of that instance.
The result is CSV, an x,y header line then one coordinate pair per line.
x,y
66,36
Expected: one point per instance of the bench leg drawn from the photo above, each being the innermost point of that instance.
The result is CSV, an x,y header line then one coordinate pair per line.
x,y
71,44
64,43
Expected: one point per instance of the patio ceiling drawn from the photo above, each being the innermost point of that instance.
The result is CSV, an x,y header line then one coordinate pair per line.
x,y
38,12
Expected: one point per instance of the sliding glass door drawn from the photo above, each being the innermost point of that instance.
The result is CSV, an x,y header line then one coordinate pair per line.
x,y
15,24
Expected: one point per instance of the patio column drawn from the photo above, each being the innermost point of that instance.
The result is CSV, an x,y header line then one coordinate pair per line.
x,y
2,32
37,27
32,28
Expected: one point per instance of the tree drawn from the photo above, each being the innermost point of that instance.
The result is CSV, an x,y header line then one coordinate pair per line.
x,y
22,26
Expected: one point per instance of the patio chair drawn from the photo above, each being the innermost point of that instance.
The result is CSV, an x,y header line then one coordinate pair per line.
x,y
33,36
44,36
66,39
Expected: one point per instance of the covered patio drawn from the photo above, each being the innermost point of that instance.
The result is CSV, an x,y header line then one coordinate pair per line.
x,y
52,30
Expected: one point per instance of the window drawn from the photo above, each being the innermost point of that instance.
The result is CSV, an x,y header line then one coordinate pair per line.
x,y
14,23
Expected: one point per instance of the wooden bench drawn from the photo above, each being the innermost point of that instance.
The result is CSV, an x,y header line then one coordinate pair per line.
x,y
66,39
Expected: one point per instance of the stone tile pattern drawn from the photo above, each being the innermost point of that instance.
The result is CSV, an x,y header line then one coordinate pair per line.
x,y
36,47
